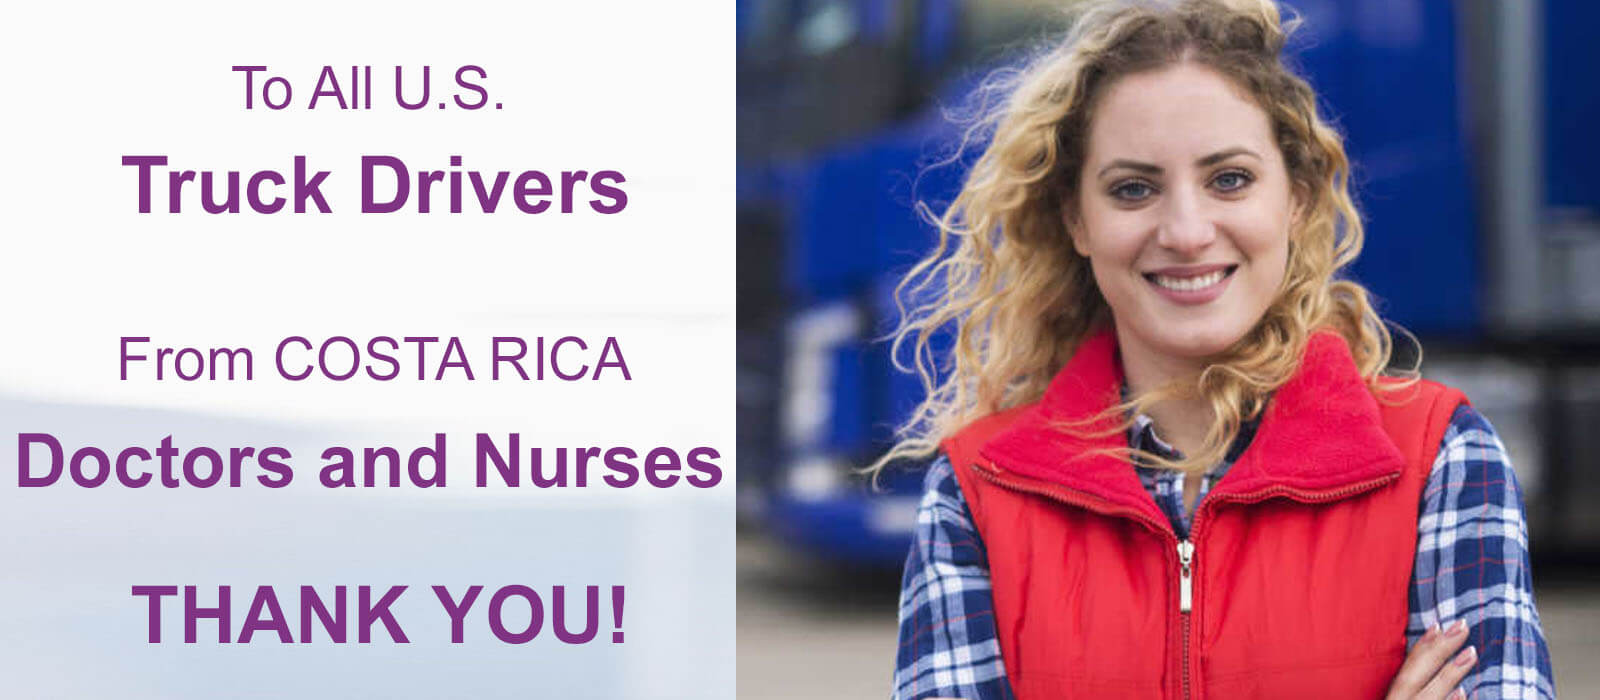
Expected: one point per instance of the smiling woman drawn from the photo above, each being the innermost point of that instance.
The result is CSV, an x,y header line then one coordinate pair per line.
x,y
1170,462
1185,225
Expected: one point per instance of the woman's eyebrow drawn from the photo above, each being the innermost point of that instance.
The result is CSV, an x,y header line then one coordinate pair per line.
x,y
1134,165
1152,169
1225,154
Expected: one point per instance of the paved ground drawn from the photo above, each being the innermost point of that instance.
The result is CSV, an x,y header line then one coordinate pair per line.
x,y
811,633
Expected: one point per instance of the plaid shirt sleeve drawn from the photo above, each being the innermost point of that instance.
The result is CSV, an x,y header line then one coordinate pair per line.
x,y
1472,563
948,644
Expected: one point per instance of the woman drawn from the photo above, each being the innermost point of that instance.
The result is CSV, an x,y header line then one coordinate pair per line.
x,y
1169,465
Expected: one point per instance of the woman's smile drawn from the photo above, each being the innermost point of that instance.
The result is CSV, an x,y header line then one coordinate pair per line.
x,y
1190,285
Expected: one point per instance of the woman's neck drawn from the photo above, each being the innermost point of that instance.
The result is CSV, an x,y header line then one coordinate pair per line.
x,y
1181,423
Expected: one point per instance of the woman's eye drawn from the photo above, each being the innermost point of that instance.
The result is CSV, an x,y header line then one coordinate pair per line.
x,y
1231,181
1132,191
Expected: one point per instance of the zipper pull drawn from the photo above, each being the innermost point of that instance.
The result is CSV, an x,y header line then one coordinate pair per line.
x,y
1185,578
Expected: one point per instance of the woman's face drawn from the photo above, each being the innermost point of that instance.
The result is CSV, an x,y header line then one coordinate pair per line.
x,y
1184,211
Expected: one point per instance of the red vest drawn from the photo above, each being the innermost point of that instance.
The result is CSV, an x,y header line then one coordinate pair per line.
x,y
1299,561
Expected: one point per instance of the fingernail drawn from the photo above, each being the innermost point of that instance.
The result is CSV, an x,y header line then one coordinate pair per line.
x,y
1431,633
1458,627
1458,695
1467,657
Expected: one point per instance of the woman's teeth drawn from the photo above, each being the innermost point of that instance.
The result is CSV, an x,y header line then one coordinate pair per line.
x,y
1189,284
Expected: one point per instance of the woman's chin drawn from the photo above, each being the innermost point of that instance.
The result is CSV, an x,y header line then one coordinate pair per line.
x,y
1197,339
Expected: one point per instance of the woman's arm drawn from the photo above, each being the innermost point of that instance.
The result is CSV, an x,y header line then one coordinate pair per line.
x,y
1472,563
948,645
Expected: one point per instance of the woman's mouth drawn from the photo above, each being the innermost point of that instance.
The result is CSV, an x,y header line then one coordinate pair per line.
x,y
1196,287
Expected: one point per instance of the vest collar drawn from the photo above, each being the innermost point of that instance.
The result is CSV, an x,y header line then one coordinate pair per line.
x,y
1321,436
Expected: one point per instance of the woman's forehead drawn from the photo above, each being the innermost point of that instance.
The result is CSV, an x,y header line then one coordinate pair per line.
x,y
1175,115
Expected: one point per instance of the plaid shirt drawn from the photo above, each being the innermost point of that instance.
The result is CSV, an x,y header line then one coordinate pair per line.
x,y
1472,563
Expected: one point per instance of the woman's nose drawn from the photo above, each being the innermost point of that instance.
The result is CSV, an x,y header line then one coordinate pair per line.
x,y
1185,227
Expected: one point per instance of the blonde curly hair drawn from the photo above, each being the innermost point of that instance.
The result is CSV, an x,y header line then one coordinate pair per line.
x,y
1020,299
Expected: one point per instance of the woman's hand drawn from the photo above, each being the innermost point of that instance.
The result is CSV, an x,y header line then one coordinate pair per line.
x,y
1433,669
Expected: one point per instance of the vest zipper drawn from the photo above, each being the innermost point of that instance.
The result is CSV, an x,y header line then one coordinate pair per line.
x,y
1185,602
1185,580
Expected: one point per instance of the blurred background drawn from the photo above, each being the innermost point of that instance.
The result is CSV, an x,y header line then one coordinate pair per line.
x,y
1472,127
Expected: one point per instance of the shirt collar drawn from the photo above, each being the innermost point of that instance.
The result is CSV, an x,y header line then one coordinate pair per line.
x,y
1142,436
